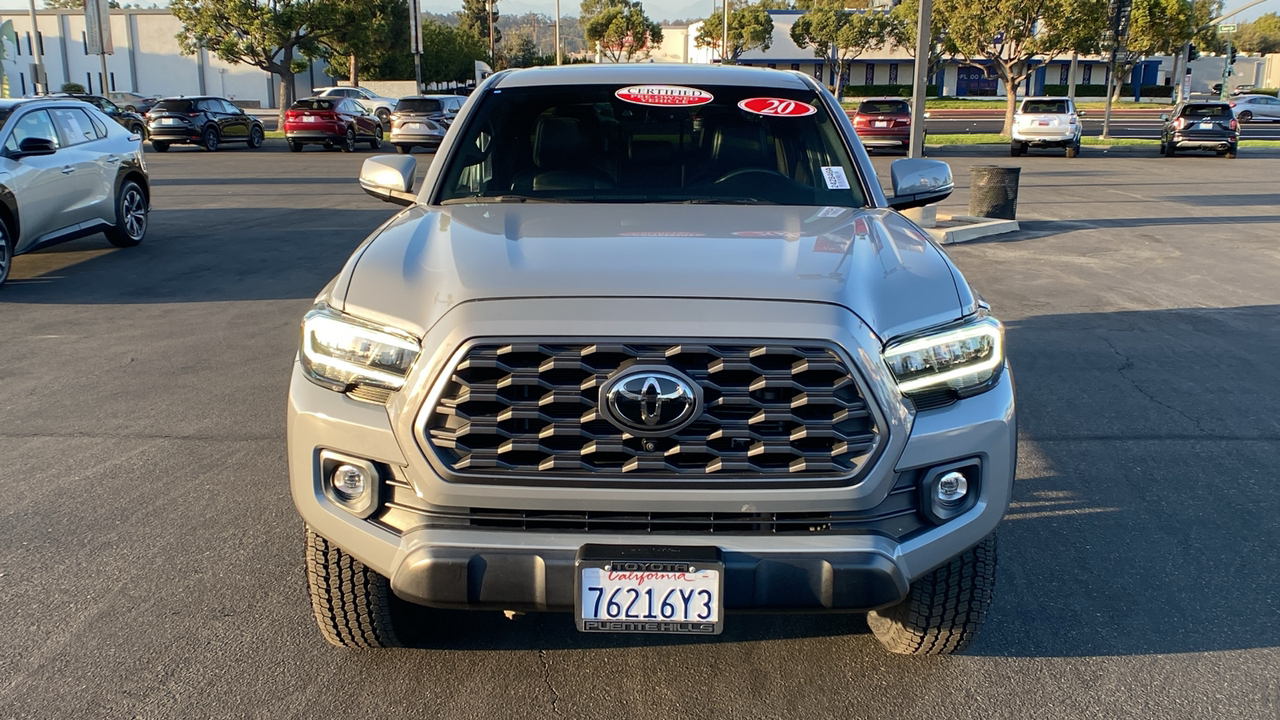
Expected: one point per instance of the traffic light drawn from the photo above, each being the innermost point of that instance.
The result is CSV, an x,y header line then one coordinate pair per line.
x,y
1232,60
1193,54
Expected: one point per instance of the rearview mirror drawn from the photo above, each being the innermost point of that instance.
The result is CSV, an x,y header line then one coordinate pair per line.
x,y
390,178
918,182
33,146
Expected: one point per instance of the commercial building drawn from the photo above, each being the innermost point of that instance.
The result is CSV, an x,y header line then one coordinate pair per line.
x,y
147,59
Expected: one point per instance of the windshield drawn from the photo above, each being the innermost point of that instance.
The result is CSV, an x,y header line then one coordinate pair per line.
x,y
654,143
174,106
419,105
884,107
1207,110
1045,107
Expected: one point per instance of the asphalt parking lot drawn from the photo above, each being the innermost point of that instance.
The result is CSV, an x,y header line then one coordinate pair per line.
x,y
151,561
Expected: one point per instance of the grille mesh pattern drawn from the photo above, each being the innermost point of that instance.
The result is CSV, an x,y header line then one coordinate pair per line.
x,y
770,410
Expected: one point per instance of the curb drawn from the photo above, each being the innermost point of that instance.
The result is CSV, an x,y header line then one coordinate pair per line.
x,y
963,228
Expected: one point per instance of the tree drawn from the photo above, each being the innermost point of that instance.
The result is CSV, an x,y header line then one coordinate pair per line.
x,y
1004,36
901,30
1156,27
750,27
619,28
840,35
449,54
273,35
1260,36
475,17
524,52
368,33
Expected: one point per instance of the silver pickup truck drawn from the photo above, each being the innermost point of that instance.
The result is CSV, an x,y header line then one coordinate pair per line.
x,y
651,347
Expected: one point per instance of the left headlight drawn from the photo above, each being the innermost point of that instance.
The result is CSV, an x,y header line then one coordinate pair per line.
x,y
965,358
339,351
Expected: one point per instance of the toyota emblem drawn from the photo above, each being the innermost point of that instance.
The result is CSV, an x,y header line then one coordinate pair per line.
x,y
650,402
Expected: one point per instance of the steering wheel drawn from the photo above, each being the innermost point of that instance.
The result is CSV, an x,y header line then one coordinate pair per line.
x,y
744,171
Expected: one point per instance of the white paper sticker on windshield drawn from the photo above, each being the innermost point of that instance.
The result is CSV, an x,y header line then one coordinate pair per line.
x,y
835,178
666,95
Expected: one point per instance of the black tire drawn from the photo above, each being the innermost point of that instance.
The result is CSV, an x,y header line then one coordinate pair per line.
x,y
255,137
6,252
1016,149
376,142
404,149
348,142
1231,154
159,146
130,108
1170,150
139,130
1245,116
295,146
353,605
383,115
209,140
328,144
944,610
131,216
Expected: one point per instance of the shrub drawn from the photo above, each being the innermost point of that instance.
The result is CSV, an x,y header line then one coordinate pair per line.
x,y
73,87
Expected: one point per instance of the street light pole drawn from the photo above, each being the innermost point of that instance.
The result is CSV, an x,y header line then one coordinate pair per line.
x,y
558,59
724,44
919,87
35,53
492,57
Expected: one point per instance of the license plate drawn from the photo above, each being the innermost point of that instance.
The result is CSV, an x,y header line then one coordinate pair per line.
x,y
1043,123
169,121
881,123
650,590
1206,126
308,118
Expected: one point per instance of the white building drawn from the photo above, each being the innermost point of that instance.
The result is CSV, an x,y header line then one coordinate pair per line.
x,y
147,59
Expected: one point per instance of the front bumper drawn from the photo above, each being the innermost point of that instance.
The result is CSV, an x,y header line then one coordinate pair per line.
x,y
466,566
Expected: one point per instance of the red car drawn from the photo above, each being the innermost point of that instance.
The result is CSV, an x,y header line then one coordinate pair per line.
x,y
883,123
331,121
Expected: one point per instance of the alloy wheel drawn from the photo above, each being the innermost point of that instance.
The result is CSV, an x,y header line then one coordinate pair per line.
x,y
133,211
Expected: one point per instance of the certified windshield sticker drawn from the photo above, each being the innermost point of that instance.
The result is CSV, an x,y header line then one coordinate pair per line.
x,y
777,107
666,95
835,178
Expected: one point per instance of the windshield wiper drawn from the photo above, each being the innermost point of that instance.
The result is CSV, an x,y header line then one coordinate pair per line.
x,y
481,199
725,201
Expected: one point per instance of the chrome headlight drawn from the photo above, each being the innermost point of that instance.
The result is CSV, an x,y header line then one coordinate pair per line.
x,y
964,357
339,351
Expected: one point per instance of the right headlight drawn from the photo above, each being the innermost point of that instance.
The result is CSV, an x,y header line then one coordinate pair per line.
x,y
340,352
964,357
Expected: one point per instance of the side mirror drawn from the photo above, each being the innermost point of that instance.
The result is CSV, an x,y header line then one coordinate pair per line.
x,y
918,182
32,146
1164,117
390,178
1081,113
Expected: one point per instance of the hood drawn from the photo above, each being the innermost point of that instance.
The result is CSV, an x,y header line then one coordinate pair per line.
x,y
873,262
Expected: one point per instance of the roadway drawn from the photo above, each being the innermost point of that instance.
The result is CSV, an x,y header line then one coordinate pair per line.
x,y
1123,125
151,559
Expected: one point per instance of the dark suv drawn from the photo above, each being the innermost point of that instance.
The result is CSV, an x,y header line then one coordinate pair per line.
x,y
131,121
1200,126
205,121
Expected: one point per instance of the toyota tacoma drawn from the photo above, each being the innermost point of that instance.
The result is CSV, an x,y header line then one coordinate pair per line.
x,y
651,347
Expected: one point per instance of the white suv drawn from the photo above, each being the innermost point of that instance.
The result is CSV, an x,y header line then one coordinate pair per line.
x,y
369,100
67,171
1046,122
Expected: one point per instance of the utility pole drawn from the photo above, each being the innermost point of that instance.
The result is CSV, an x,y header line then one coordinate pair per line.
x,y
724,44
924,42
559,61
1226,62
38,80
415,41
492,58
1185,55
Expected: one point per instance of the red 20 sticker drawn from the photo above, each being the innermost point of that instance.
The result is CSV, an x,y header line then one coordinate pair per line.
x,y
777,107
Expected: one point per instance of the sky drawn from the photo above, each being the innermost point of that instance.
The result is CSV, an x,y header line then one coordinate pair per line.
x,y
656,9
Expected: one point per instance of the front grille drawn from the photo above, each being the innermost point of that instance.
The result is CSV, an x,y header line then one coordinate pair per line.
x,y
777,410
897,517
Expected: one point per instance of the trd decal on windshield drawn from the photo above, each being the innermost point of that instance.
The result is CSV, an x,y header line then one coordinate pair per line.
x,y
777,107
666,95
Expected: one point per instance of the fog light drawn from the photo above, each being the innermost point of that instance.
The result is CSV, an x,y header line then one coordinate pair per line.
x,y
952,487
351,481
